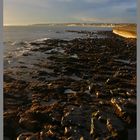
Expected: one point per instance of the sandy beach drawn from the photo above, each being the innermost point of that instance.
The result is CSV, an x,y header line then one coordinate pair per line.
x,y
128,31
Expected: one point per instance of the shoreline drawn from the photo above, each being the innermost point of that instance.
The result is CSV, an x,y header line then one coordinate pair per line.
x,y
72,89
123,33
126,31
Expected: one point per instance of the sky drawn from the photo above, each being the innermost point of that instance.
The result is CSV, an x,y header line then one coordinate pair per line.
x,y
24,12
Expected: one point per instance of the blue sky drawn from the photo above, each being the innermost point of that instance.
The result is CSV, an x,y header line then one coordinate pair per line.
x,y
19,12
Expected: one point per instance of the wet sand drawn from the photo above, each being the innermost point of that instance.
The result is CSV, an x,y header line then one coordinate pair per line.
x,y
81,89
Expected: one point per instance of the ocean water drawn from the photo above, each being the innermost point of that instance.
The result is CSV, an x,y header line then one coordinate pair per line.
x,y
17,38
28,33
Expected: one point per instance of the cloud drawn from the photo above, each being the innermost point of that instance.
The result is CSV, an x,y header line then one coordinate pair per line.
x,y
70,10
104,20
96,1
64,0
131,10
91,19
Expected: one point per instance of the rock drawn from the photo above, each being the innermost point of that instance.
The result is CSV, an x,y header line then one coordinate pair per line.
x,y
7,138
27,136
29,124
83,90
117,129
8,78
122,112
42,73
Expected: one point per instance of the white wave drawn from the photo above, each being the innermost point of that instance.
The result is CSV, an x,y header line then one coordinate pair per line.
x,y
41,40
14,43
58,49
19,43
74,56
19,51
67,91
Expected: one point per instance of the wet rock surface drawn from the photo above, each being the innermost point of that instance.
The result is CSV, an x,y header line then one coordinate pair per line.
x,y
82,89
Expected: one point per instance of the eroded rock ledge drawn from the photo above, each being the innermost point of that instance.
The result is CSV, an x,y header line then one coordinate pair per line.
x,y
83,89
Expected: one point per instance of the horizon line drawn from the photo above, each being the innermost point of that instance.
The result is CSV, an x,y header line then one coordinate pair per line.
x,y
88,23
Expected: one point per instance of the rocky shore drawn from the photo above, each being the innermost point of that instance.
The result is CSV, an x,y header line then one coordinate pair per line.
x,y
81,89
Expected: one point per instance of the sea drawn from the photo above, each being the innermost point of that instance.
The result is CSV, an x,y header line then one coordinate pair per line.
x,y
17,38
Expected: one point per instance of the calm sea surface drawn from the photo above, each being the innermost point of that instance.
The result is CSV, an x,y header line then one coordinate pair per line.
x,y
17,38
29,33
